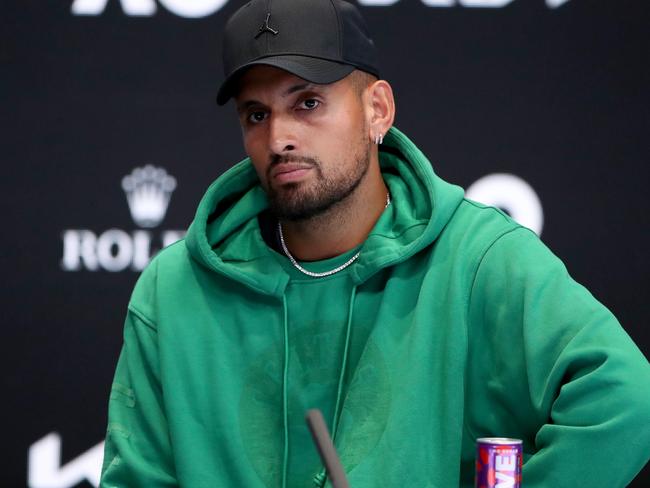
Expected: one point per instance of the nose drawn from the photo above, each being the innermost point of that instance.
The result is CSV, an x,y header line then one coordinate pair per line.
x,y
282,135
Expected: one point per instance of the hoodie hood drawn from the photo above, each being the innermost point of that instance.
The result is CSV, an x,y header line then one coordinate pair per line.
x,y
225,235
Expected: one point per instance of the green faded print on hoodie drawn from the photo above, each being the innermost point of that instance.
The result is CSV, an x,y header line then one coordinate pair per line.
x,y
454,323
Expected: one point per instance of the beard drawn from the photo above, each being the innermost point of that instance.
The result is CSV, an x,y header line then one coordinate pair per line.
x,y
304,200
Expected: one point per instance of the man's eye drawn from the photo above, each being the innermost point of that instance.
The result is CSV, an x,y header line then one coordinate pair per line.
x,y
257,117
309,104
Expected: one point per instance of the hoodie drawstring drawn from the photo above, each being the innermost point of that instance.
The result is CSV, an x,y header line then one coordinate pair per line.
x,y
321,478
285,394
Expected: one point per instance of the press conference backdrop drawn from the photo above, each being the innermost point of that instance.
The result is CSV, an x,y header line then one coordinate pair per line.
x,y
110,135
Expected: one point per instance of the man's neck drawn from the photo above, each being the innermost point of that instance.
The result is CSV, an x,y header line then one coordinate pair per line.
x,y
343,227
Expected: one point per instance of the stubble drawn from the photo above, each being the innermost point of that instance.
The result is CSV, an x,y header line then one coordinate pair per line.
x,y
303,201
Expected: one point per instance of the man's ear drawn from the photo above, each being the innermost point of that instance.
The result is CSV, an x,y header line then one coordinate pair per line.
x,y
381,108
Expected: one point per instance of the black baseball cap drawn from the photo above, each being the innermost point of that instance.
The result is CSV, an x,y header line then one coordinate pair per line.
x,y
321,41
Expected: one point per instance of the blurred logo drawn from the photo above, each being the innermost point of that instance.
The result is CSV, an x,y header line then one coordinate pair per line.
x,y
146,8
511,194
46,471
203,8
148,191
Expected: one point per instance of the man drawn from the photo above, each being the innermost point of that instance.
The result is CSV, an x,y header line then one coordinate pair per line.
x,y
333,269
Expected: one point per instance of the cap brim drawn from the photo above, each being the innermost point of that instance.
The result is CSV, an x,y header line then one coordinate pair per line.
x,y
314,70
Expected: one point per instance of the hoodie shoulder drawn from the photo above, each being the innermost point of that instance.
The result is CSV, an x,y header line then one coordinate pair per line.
x,y
475,227
167,269
485,217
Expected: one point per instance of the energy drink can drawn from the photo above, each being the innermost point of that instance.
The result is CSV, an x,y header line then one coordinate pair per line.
x,y
498,462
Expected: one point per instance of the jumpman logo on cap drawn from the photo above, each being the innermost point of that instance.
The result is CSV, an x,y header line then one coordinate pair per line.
x,y
266,28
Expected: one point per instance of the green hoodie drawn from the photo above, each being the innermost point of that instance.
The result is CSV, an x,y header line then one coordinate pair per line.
x,y
454,323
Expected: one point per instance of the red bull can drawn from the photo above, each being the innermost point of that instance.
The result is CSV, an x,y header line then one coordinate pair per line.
x,y
498,462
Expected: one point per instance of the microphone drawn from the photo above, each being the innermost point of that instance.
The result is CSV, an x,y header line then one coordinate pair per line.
x,y
326,449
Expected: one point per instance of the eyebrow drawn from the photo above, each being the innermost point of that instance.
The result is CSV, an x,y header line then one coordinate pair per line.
x,y
297,88
242,107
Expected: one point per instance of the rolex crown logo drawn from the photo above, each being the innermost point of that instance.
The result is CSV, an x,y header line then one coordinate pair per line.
x,y
148,190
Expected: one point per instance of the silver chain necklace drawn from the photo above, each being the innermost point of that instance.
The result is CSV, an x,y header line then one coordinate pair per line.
x,y
324,273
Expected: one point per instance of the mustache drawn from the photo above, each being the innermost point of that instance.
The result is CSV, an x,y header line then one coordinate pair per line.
x,y
278,159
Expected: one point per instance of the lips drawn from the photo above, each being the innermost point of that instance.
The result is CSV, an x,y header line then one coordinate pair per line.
x,y
288,168
285,172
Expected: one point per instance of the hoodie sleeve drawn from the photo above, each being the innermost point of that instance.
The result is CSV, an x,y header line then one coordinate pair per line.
x,y
548,363
137,450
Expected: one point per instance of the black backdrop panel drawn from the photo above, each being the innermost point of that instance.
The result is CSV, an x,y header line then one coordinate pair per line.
x,y
554,93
